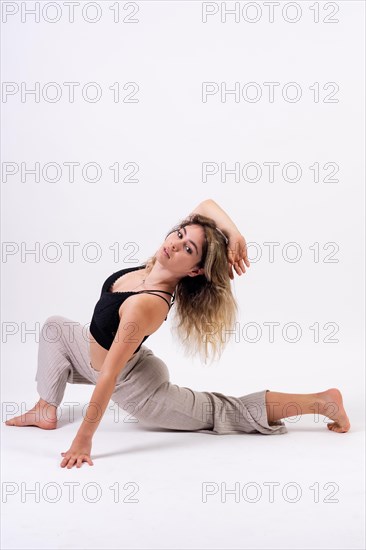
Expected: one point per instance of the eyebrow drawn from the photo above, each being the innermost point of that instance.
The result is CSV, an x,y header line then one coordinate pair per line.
x,y
189,240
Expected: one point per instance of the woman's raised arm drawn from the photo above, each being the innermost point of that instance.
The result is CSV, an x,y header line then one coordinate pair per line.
x,y
211,209
237,246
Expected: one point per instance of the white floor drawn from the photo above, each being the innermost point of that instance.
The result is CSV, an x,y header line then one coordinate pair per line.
x,y
159,489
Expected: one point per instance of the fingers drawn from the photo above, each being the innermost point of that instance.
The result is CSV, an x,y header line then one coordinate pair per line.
x,y
67,461
239,267
70,461
239,261
84,459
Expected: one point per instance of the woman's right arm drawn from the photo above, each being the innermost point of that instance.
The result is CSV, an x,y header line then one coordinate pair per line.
x,y
139,317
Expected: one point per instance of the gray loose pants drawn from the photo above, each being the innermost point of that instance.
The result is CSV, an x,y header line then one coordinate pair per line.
x,y
143,388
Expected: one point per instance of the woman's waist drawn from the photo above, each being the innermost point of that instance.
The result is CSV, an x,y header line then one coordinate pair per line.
x,y
98,355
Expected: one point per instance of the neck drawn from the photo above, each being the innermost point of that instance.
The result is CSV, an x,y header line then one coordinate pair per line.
x,y
158,276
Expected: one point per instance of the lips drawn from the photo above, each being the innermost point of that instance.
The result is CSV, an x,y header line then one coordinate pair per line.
x,y
166,252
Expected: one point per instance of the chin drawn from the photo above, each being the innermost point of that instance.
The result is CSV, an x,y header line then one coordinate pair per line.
x,y
160,257
162,254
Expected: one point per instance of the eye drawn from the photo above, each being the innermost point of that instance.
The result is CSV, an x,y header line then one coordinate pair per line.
x,y
187,248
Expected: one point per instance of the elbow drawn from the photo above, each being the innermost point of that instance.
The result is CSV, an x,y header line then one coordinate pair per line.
x,y
206,202
108,377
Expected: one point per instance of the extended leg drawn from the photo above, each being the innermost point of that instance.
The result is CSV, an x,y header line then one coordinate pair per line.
x,y
181,408
147,394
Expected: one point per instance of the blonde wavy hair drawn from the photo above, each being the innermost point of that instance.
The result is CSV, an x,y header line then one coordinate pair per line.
x,y
205,305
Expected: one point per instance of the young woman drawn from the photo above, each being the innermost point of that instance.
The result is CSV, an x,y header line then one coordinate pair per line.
x,y
192,269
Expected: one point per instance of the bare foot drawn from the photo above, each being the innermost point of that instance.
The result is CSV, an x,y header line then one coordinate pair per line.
x,y
43,415
331,405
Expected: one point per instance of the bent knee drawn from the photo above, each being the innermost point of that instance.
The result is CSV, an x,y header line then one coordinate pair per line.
x,y
158,368
54,320
53,326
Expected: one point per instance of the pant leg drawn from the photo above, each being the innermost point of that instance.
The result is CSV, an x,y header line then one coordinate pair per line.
x,y
147,393
63,356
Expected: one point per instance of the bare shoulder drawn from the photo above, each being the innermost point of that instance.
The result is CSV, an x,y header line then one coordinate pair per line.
x,y
139,316
145,309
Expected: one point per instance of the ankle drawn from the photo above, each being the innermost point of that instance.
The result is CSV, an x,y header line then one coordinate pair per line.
x,y
321,401
42,403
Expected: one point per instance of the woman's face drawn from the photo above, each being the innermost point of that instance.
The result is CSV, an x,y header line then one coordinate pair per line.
x,y
182,249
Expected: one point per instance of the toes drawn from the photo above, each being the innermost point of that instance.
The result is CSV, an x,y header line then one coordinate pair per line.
x,y
336,427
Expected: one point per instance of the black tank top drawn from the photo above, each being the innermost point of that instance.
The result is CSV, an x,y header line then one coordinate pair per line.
x,y
105,320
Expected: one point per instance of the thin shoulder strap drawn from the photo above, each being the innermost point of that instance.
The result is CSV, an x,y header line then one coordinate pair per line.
x,y
153,291
165,292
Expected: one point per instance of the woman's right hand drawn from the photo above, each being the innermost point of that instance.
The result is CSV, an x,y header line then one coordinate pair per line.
x,y
79,452
237,254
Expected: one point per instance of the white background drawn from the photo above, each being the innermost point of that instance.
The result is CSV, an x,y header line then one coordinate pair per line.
x,y
170,132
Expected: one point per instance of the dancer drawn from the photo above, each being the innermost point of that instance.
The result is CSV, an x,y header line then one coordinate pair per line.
x,y
193,266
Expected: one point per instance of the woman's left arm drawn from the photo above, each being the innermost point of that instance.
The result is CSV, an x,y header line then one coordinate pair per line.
x,y
237,246
211,209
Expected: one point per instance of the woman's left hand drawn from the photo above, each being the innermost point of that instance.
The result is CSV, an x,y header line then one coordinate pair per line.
x,y
78,453
237,254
